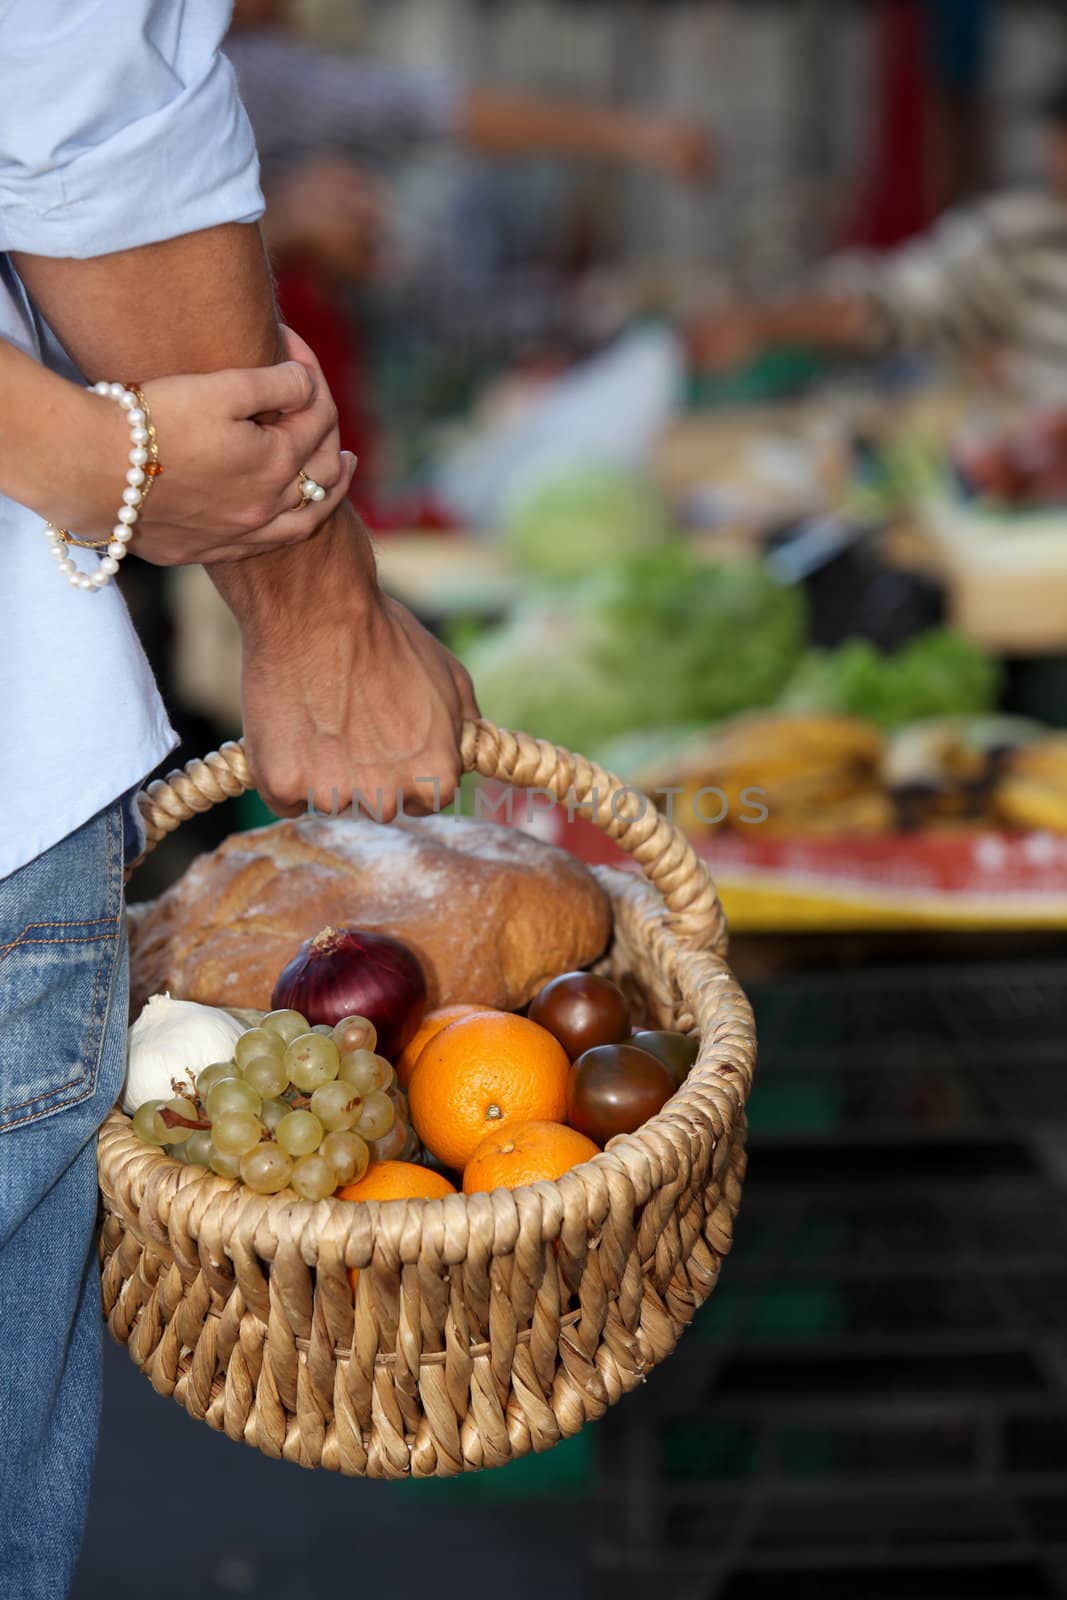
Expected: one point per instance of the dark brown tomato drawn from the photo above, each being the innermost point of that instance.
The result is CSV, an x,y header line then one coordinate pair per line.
x,y
615,1088
677,1051
582,1010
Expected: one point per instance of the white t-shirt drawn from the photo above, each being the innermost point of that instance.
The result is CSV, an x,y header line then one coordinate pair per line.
x,y
119,126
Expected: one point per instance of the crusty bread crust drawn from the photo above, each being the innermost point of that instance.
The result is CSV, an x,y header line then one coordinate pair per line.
x,y
491,912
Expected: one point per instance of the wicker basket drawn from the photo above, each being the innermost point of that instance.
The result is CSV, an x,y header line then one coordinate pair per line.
x,y
482,1327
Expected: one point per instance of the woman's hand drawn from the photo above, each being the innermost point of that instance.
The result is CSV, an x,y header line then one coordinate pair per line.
x,y
232,445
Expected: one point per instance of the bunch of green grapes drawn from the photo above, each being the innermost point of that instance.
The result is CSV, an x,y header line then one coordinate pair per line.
x,y
297,1108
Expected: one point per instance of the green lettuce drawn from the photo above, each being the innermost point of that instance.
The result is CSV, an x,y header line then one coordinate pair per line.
x,y
652,641
940,673
575,523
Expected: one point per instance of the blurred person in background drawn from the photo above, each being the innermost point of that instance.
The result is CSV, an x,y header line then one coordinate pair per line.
x,y
303,101
989,280
324,121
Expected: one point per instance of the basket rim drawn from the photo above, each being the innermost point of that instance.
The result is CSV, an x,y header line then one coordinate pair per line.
x,y
675,1123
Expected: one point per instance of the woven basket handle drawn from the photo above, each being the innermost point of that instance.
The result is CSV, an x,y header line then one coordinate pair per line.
x,y
664,854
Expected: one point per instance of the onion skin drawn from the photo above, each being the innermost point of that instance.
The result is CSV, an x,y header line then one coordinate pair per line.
x,y
344,972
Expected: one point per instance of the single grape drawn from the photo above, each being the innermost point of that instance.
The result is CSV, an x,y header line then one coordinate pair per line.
x,y
299,1133
347,1154
232,1094
225,1166
377,1116
198,1148
355,1033
258,1042
322,1027
288,1025
312,1060
271,1113
388,1075
364,1070
176,1152
336,1104
399,1144
149,1125
266,1168
313,1177
267,1075
181,1108
236,1132
216,1073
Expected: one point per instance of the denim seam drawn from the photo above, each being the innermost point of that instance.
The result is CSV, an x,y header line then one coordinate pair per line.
x,y
36,1116
115,834
91,938
97,922
94,1038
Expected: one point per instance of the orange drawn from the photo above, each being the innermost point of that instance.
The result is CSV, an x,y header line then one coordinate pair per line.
x,y
480,1073
525,1152
397,1180
431,1024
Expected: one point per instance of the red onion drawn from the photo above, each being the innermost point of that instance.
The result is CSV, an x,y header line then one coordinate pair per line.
x,y
347,972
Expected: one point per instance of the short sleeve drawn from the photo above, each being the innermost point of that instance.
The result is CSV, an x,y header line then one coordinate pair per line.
x,y
119,125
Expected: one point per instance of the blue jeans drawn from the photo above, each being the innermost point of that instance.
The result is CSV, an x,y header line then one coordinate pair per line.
x,y
63,1000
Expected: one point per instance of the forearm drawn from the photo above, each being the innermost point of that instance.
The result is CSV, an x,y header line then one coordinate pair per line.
x,y
205,303
61,448
502,123
193,304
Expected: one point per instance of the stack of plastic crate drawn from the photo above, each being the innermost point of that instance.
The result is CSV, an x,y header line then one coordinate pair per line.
x,y
874,1401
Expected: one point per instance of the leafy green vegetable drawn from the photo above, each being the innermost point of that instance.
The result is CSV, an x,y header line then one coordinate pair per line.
x,y
537,672
576,522
941,673
696,641
656,640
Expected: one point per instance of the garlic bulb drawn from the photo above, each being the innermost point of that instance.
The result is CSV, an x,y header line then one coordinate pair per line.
x,y
174,1039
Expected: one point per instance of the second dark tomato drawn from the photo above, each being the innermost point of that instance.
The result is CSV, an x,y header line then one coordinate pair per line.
x,y
614,1089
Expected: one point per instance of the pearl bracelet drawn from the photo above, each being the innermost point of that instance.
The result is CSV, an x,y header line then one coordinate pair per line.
x,y
143,470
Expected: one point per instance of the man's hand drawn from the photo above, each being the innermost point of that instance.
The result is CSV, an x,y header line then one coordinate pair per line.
x,y
677,147
345,695
726,341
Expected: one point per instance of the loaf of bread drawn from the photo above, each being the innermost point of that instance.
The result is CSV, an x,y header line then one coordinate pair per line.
x,y
491,912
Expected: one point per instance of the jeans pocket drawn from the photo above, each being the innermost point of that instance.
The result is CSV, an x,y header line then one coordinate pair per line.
x,y
60,933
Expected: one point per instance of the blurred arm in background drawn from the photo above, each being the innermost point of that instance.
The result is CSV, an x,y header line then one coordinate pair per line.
x,y
504,122
304,99
985,280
